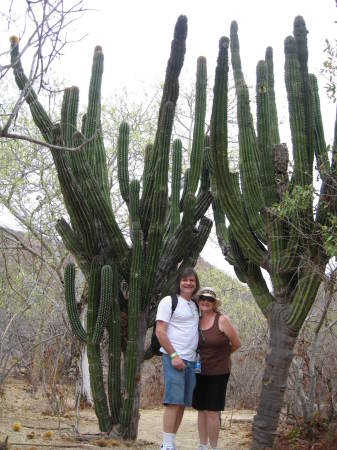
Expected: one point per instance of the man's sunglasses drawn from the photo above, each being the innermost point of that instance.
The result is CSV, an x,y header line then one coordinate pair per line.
x,y
208,299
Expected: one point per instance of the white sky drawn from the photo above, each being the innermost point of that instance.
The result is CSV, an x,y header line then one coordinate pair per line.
x,y
136,37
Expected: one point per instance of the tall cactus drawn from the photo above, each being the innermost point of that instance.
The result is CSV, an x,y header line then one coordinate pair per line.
x,y
256,227
160,240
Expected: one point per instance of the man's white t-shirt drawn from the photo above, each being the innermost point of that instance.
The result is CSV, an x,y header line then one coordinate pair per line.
x,y
182,329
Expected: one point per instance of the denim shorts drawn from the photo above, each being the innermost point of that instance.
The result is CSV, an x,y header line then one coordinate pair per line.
x,y
178,384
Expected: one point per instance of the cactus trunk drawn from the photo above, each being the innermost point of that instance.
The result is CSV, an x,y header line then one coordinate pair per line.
x,y
274,380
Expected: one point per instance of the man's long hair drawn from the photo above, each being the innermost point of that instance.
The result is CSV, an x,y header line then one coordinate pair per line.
x,y
186,272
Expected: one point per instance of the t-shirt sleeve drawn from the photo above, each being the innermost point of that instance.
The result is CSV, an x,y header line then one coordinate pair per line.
x,y
164,309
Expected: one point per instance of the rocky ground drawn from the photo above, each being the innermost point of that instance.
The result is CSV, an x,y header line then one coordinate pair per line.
x,y
27,422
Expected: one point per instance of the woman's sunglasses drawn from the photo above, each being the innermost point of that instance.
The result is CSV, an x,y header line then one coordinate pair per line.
x,y
207,299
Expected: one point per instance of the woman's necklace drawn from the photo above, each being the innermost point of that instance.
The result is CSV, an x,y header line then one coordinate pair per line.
x,y
207,325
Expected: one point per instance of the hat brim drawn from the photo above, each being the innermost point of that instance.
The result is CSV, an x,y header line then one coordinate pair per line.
x,y
206,295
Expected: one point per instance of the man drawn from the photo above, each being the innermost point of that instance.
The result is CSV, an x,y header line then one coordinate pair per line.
x,y
178,337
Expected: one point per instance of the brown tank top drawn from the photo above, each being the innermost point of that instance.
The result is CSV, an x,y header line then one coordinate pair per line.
x,y
215,350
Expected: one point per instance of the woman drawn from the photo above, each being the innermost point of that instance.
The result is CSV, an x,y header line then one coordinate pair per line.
x,y
217,340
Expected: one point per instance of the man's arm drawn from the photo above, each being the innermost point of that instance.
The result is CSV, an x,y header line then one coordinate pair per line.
x,y
161,333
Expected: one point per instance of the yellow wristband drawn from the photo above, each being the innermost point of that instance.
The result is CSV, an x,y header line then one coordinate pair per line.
x,y
173,355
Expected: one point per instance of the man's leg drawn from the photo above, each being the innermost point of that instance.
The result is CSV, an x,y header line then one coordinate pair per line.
x,y
174,394
213,425
179,417
172,418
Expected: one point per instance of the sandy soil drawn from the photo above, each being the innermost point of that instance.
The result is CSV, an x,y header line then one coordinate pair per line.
x,y
38,430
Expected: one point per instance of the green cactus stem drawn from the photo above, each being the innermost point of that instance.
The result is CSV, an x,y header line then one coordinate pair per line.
x,y
175,187
104,304
122,154
114,374
94,351
70,297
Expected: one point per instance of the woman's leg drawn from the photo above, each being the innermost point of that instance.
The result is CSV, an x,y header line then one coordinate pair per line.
x,y
213,425
202,427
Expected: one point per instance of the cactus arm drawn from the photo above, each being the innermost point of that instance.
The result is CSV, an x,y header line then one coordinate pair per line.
x,y
259,289
95,149
265,129
127,395
205,171
196,159
70,297
300,35
73,245
147,164
176,180
122,160
103,210
304,298
275,135
104,304
204,197
220,226
114,374
251,274
227,192
170,94
40,116
94,352
323,164
301,118
203,201
73,197
135,272
183,195
276,240
184,248
264,134
219,215
93,295
185,241
199,125
296,113
134,308
198,244
321,151
249,155
69,112
160,194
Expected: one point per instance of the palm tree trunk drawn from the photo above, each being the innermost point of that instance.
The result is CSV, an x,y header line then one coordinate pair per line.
x,y
274,382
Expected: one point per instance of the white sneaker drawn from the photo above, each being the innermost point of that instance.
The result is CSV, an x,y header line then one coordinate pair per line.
x,y
163,447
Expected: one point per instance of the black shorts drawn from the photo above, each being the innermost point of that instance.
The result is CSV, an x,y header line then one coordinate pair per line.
x,y
210,392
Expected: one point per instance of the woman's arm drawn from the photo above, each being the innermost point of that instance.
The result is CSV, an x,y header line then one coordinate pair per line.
x,y
227,328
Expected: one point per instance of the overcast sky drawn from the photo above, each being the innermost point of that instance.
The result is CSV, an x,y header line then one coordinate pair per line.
x,y
136,36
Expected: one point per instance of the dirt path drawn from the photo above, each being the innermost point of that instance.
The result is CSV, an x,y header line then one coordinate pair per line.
x,y
38,430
